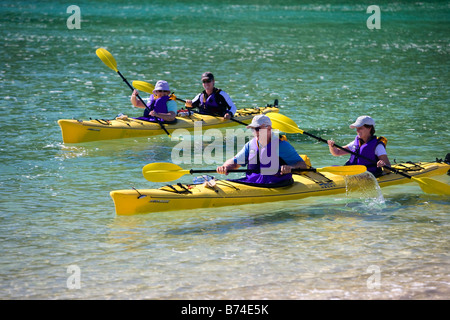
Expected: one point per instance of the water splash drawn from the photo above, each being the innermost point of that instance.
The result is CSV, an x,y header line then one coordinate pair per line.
x,y
364,192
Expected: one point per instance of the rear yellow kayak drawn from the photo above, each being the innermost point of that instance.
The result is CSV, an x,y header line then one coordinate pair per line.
x,y
76,131
227,193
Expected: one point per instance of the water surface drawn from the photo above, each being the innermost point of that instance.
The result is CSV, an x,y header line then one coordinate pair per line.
x,y
318,59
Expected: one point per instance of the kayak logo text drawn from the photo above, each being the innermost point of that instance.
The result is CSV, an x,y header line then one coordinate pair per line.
x,y
212,147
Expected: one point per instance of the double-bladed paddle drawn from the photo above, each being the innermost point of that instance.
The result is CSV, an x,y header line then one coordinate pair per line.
x,y
428,185
164,171
146,87
111,63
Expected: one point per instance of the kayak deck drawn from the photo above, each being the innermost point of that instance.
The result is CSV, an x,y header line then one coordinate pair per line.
x,y
227,193
77,131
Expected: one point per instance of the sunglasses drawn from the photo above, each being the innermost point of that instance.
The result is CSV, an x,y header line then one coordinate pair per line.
x,y
259,128
207,81
158,91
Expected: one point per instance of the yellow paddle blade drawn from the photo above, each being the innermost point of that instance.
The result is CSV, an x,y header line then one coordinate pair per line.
x,y
433,186
143,86
107,58
283,123
163,171
344,170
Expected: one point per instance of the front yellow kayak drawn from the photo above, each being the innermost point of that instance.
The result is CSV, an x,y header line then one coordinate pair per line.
x,y
227,193
76,131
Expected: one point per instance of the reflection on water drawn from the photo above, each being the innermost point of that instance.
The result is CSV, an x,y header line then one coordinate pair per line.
x,y
314,248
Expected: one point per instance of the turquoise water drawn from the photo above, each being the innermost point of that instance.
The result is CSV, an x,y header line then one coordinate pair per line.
x,y
324,66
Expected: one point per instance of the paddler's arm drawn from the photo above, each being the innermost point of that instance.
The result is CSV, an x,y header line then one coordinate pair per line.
x,y
228,165
286,168
194,103
169,116
188,104
291,157
135,102
235,163
171,112
231,107
383,159
336,151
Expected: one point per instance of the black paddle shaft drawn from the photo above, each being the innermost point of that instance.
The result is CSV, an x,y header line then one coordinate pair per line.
x,y
216,115
213,114
192,171
358,155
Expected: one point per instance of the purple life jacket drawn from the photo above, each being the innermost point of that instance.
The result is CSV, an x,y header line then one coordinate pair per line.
x,y
259,169
214,104
367,150
159,105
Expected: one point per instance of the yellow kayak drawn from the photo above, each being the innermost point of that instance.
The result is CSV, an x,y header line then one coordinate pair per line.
x,y
227,193
76,131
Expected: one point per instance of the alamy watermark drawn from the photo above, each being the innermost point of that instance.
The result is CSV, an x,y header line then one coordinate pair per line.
x,y
209,147
374,21
74,21
74,280
374,281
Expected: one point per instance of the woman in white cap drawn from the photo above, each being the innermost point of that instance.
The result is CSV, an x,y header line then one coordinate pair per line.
x,y
269,159
366,144
159,107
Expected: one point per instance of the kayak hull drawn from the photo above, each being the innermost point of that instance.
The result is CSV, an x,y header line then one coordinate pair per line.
x,y
78,131
227,193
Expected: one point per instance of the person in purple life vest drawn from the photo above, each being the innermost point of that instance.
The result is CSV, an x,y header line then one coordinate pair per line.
x,y
269,158
212,101
159,106
367,144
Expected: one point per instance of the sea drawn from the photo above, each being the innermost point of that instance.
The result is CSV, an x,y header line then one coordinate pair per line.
x,y
326,62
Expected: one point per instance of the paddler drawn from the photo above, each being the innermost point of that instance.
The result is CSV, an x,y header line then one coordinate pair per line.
x,y
367,144
159,105
268,157
212,101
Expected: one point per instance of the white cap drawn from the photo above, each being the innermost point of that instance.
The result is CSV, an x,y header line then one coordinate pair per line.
x,y
161,85
362,120
260,120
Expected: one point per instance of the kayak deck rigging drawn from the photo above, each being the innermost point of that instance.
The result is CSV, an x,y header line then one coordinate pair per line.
x,y
78,131
229,193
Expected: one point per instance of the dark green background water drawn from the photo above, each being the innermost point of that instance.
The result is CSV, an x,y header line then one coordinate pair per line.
x,y
318,59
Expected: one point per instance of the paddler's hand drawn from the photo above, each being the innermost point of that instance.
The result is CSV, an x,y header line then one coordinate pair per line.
x,y
381,163
153,113
285,169
133,99
333,149
188,104
330,143
227,116
222,170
